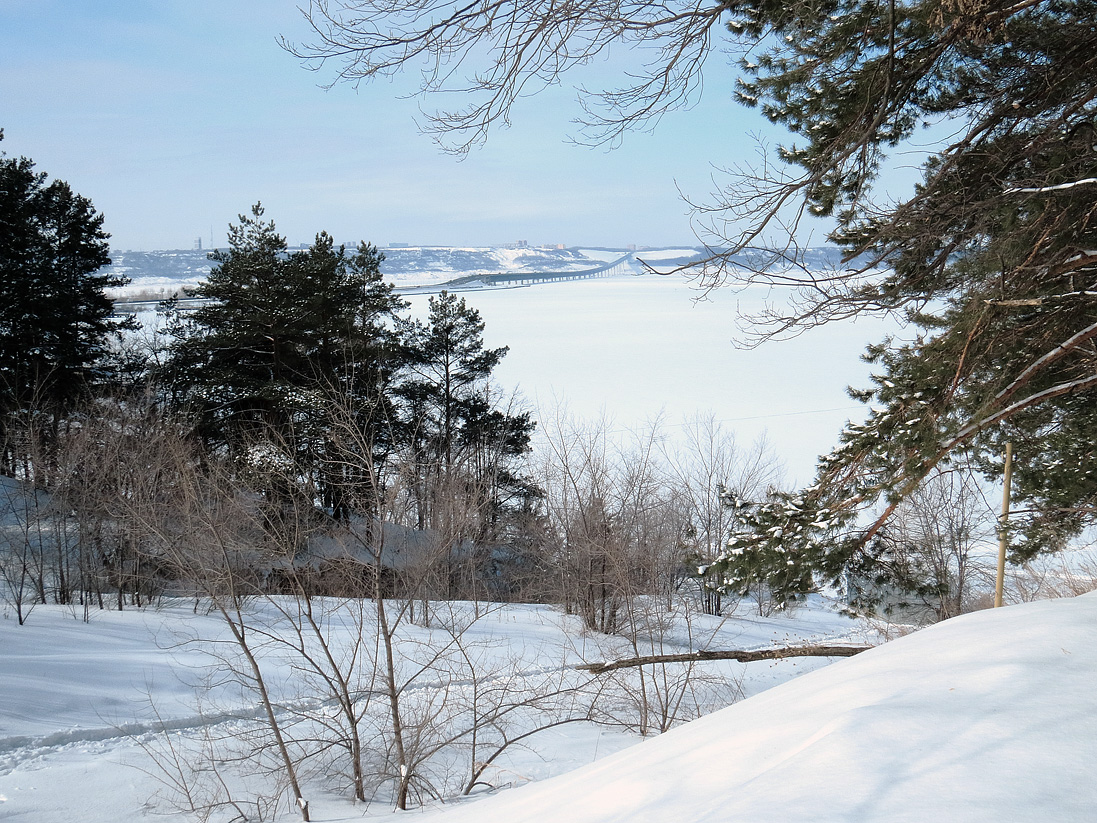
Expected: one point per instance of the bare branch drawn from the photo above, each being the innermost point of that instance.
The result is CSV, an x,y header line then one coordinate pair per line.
x,y
741,656
524,49
1089,181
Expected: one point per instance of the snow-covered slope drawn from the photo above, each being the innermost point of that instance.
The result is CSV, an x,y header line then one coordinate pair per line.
x,y
991,716
432,264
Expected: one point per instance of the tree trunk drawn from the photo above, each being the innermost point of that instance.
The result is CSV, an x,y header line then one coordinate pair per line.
x,y
741,656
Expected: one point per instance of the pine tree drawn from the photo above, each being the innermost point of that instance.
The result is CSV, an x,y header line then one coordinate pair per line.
x,y
448,361
990,259
762,569
461,443
283,336
56,320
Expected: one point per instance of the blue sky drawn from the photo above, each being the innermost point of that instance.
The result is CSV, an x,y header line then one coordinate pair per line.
x,y
175,116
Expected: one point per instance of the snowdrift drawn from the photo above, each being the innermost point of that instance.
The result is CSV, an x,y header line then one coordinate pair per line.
x,y
988,717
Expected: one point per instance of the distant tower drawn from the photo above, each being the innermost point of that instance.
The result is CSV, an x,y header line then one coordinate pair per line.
x,y
198,243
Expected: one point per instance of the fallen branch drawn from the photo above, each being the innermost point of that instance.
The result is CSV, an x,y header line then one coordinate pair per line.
x,y
741,656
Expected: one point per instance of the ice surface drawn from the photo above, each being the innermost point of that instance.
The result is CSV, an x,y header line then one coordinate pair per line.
x,y
634,348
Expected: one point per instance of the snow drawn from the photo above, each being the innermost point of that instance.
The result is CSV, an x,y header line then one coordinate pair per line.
x,y
78,700
988,716
1088,181
634,348
427,265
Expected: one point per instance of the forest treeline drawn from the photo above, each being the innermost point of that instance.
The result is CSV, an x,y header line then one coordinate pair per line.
x,y
349,449
300,432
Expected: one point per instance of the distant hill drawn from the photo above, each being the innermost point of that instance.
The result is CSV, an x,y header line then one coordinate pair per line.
x,y
404,262
155,274
159,274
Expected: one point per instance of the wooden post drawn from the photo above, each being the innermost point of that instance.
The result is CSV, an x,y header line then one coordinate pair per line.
x,y
1003,528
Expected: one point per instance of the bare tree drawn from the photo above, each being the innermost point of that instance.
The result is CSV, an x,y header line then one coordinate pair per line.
x,y
710,472
24,544
38,538
208,532
424,688
672,687
990,254
583,485
1067,574
379,703
932,559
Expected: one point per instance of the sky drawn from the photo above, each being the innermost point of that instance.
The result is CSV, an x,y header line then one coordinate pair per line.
x,y
175,116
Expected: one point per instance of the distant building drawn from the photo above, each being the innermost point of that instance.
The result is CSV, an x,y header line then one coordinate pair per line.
x,y
522,244
399,245
198,244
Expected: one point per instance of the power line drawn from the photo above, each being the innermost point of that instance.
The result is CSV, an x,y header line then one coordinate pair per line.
x,y
685,423
784,414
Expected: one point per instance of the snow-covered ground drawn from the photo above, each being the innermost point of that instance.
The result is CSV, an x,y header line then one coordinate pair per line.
x,y
990,716
81,702
430,265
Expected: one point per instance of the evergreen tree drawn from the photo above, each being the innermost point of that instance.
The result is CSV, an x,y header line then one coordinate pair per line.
x,y
56,320
762,570
448,362
991,256
284,335
461,443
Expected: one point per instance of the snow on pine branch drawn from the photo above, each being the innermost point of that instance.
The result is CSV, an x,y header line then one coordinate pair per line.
x,y
1088,181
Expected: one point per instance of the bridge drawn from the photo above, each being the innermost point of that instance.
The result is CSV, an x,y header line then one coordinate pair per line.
x,y
512,279
498,280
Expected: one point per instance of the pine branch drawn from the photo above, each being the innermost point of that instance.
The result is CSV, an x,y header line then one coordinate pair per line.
x,y
1047,359
1032,400
969,431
